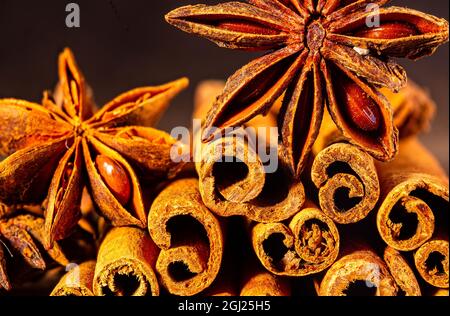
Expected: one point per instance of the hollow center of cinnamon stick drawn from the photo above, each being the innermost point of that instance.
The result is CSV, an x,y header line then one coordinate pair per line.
x,y
228,174
435,264
360,288
341,198
180,272
124,284
275,190
405,224
343,201
274,247
183,228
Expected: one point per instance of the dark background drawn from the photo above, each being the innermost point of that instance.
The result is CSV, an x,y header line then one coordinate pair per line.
x,y
125,44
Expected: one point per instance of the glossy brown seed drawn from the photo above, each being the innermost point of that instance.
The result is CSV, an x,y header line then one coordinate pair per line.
x,y
245,27
115,177
359,107
391,30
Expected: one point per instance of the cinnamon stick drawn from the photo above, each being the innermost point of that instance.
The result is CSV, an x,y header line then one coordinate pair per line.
x,y
242,187
360,273
230,184
126,264
441,292
401,272
413,109
414,191
77,281
432,262
262,283
190,238
347,182
308,245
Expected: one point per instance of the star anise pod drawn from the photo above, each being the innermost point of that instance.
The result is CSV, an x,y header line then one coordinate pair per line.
x,y
320,52
60,146
24,234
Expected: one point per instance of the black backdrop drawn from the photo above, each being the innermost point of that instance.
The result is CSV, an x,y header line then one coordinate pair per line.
x,y
123,44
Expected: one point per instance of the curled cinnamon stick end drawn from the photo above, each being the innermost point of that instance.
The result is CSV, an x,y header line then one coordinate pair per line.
x,y
77,281
238,181
347,181
125,264
308,245
431,261
243,188
190,238
230,170
361,273
401,272
414,189
232,177
265,284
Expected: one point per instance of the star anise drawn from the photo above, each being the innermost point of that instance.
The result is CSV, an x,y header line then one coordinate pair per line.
x,y
320,52
60,146
24,233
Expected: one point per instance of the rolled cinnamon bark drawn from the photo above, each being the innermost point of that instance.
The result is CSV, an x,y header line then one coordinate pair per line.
x,y
223,287
402,273
347,182
190,238
77,281
360,273
126,263
262,283
238,181
242,187
441,292
308,245
414,190
431,261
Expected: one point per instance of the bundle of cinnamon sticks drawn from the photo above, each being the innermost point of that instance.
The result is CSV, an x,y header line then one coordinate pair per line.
x,y
236,221
349,226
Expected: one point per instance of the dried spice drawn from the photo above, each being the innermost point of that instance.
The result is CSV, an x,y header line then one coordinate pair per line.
x,y
262,283
308,245
190,238
316,46
359,270
126,264
401,272
413,109
77,281
347,181
60,146
242,187
23,234
432,262
414,192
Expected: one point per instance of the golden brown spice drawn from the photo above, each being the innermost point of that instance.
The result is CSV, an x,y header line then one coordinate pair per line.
x,y
77,281
242,187
347,182
126,264
190,238
413,189
307,245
